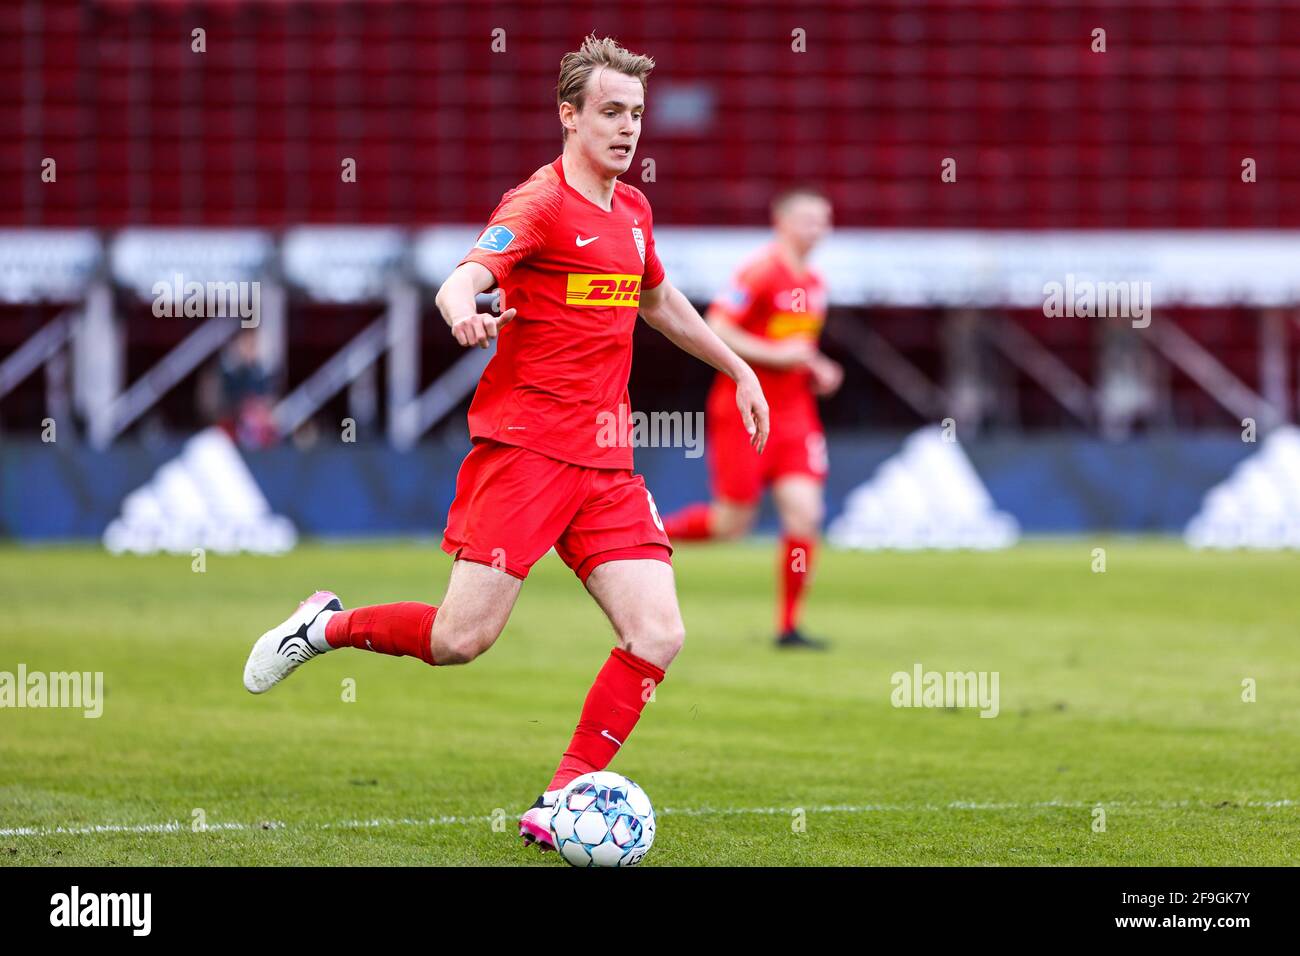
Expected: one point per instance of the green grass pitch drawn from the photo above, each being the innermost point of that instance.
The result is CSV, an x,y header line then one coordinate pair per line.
x,y
1120,690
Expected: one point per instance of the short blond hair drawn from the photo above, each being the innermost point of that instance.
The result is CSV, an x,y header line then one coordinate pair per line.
x,y
785,197
576,68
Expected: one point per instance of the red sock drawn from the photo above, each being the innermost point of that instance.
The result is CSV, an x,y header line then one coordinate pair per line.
x,y
612,709
796,569
692,523
403,630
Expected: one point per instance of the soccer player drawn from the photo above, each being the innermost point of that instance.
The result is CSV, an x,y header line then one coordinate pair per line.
x,y
573,251
771,316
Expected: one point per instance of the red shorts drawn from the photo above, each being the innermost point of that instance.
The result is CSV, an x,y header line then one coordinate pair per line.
x,y
513,505
739,474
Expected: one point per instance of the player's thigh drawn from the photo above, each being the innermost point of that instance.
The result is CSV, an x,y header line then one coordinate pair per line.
x,y
474,611
640,599
800,504
498,518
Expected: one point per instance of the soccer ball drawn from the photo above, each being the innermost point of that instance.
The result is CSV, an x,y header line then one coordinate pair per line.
x,y
603,819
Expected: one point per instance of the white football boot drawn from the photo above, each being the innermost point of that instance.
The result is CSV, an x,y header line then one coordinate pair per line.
x,y
280,650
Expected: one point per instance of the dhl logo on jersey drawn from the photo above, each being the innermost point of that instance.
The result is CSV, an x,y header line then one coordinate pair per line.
x,y
783,325
589,289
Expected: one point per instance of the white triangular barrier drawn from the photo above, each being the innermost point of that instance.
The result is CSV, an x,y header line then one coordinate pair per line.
x,y
203,498
926,496
1258,504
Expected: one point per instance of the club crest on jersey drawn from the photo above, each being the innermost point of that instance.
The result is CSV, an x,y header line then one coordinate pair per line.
x,y
495,239
639,236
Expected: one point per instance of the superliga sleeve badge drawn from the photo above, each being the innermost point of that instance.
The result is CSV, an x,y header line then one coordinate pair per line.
x,y
496,239
639,236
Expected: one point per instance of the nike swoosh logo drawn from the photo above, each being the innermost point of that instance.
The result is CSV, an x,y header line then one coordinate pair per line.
x,y
607,734
583,242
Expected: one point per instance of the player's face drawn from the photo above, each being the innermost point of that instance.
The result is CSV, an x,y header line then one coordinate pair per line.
x,y
609,124
804,222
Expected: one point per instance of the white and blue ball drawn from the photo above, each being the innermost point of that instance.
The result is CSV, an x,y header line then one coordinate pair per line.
x,y
603,819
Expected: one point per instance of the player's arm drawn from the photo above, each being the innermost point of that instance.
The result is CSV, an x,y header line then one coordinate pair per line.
x,y
795,353
667,310
726,316
455,301
827,375
515,231
756,349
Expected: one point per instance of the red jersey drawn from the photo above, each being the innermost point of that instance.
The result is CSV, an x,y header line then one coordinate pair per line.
x,y
768,299
575,273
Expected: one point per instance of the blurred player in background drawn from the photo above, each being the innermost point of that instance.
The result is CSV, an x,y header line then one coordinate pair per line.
x,y
573,252
237,393
772,315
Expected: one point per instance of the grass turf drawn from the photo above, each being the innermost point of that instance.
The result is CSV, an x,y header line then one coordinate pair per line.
x,y
1121,690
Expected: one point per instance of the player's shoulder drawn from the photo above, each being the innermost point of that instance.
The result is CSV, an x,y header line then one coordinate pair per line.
x,y
541,192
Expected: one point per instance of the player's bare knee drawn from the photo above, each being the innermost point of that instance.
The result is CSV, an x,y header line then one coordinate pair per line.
x,y
735,523
803,522
673,639
460,649
734,531
805,527
460,643
657,640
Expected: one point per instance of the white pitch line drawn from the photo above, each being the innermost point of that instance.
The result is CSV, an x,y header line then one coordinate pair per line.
x,y
175,826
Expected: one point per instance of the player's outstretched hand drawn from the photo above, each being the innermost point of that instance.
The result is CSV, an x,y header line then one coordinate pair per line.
x,y
477,329
753,411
